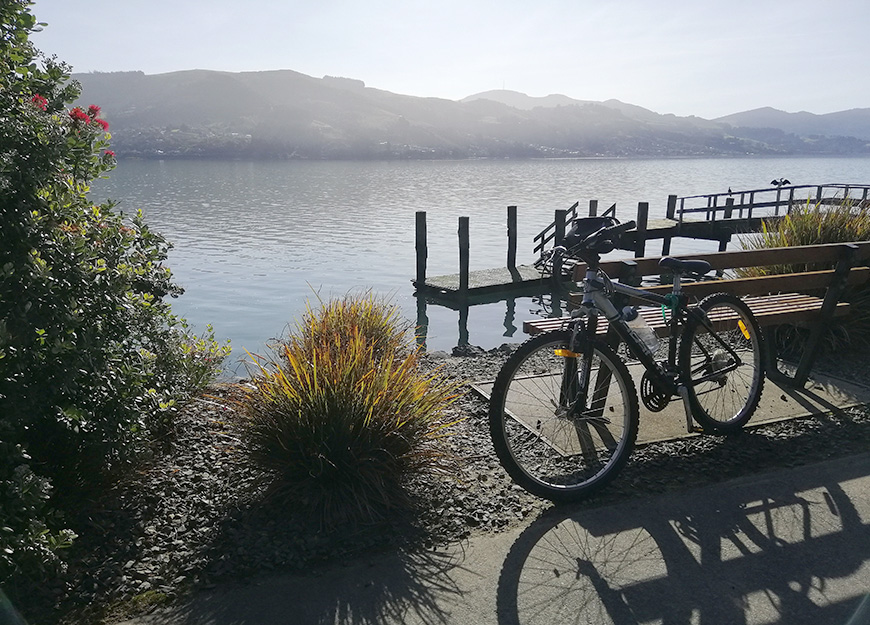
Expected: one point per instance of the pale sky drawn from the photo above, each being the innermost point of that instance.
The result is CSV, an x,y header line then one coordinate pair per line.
x,y
695,57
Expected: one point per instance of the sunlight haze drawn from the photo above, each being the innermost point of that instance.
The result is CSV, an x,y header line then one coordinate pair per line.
x,y
688,58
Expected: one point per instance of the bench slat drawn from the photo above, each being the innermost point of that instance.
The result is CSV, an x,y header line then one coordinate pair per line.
x,y
768,310
760,285
802,254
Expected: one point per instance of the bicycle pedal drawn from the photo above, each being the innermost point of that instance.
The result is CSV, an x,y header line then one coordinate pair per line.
x,y
697,429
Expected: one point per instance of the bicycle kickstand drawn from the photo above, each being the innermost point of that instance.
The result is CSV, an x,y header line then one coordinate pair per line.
x,y
684,394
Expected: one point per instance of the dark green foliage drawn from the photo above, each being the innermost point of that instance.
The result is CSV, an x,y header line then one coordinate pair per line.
x,y
92,361
343,416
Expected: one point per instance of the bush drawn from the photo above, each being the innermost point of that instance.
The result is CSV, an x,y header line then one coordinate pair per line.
x,y
343,416
28,546
814,224
811,224
92,360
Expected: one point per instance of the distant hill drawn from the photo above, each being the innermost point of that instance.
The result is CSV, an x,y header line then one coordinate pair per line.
x,y
286,114
852,123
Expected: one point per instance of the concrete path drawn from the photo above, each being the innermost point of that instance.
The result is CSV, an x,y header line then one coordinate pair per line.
x,y
790,547
822,394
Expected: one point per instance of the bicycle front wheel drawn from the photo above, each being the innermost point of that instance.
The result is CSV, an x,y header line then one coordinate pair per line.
x,y
721,362
552,441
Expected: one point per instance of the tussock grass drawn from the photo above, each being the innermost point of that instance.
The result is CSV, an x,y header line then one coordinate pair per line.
x,y
342,415
813,224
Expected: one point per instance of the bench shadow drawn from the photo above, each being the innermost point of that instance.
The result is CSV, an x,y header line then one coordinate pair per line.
x,y
761,552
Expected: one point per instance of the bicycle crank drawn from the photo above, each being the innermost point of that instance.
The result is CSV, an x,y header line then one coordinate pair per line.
x,y
652,396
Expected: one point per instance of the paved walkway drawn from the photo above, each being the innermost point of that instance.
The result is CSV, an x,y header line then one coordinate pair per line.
x,y
790,547
822,394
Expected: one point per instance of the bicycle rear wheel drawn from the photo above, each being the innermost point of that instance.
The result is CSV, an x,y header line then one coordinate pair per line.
x,y
549,447
724,384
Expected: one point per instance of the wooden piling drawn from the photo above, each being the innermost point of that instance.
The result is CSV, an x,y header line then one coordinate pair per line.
x,y
464,249
640,236
670,213
729,211
593,208
421,246
512,237
672,207
559,237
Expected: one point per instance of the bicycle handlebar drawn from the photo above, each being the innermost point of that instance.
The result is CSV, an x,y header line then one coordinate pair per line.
x,y
609,231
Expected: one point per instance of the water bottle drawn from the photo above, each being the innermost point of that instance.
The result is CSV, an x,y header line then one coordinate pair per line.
x,y
641,328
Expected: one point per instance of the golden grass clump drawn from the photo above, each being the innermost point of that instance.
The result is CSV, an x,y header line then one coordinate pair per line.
x,y
810,224
814,224
343,415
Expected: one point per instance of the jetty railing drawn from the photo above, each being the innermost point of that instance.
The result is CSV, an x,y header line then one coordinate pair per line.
x,y
766,202
555,231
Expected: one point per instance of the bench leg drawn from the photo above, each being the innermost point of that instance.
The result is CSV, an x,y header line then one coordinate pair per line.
x,y
820,327
770,362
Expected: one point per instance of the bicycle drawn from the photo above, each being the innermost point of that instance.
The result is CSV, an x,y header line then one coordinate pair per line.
x,y
564,409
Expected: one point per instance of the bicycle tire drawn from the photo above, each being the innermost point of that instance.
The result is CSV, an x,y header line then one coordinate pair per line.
x,y
722,403
548,453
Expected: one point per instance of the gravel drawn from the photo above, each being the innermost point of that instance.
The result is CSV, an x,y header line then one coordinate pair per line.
x,y
194,515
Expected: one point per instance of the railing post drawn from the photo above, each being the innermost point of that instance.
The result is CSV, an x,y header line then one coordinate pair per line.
x,y
593,208
464,248
640,232
512,237
421,246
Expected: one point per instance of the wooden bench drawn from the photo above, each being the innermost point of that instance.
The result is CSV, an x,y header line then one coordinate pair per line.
x,y
775,300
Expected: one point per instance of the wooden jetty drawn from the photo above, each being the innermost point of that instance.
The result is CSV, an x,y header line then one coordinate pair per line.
x,y
712,217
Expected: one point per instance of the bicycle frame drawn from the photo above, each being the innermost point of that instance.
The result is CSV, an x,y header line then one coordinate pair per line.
x,y
597,300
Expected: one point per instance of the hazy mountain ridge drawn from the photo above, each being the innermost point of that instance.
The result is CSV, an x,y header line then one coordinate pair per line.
x,y
286,114
851,123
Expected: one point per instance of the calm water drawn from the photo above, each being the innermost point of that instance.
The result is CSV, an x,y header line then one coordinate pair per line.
x,y
254,241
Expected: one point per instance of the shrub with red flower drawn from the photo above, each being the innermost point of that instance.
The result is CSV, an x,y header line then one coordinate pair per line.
x,y
39,102
78,115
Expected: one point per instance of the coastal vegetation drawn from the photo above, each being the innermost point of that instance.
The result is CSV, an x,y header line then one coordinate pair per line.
x,y
342,415
93,364
814,224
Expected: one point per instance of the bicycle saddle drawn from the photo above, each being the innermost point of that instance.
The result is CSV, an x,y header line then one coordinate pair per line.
x,y
685,266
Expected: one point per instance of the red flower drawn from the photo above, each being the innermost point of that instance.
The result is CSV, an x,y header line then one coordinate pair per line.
x,y
109,153
93,110
102,123
39,102
78,115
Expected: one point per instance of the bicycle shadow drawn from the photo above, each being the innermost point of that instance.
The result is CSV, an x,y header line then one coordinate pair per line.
x,y
769,551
